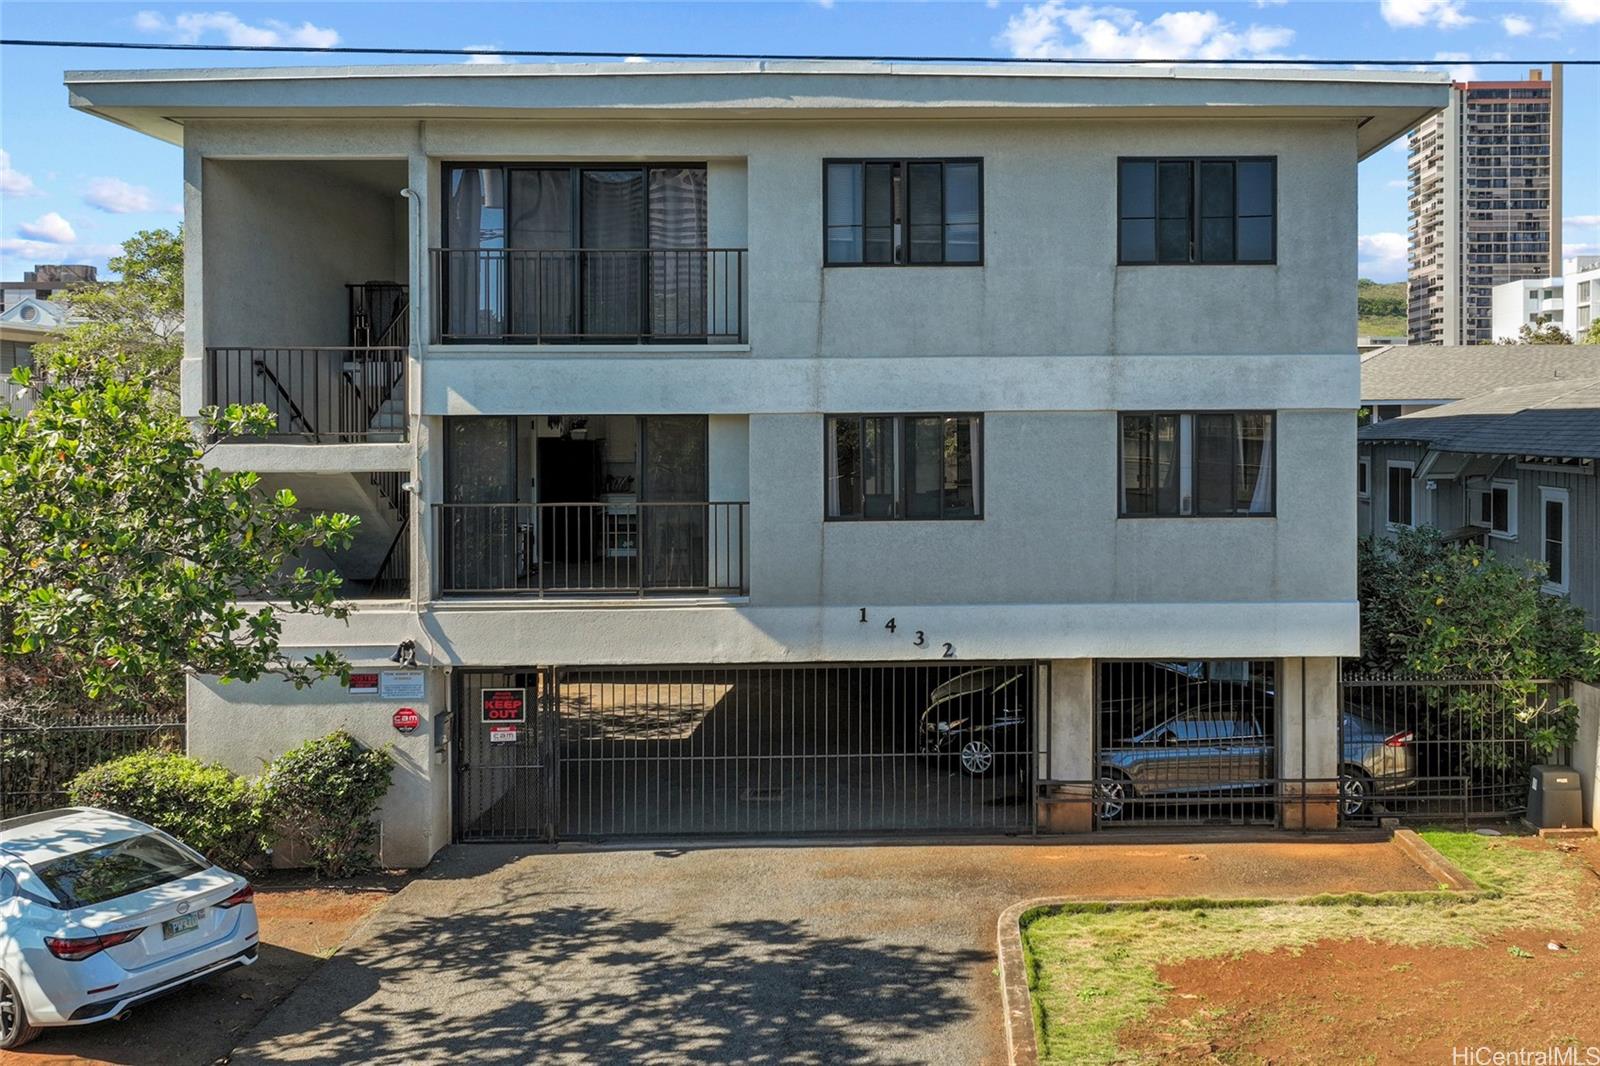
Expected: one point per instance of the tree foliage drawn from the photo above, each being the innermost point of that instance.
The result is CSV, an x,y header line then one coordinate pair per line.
x,y
133,326
124,558
323,795
1542,332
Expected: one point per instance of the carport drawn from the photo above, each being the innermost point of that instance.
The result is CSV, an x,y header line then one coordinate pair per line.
x,y
771,750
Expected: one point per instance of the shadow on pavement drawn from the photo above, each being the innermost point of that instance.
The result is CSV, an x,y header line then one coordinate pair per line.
x,y
516,982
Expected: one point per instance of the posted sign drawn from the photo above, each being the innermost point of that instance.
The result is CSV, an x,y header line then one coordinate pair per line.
x,y
363,684
505,706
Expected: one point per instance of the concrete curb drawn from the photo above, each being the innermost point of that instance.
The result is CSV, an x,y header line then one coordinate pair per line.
x,y
1022,1048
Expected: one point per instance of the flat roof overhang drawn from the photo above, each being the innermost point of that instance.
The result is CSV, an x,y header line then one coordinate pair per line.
x,y
1383,104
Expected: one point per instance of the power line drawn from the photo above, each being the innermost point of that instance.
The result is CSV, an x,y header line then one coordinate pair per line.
x,y
528,53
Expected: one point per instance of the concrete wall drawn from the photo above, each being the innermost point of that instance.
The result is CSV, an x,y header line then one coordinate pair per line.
x,y
244,726
1308,742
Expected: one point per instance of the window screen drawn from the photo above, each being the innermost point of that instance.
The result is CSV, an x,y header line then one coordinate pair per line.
x,y
924,212
1196,210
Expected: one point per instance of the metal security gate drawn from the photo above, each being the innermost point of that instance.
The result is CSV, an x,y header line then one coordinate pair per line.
x,y
1444,748
1186,742
504,760
756,750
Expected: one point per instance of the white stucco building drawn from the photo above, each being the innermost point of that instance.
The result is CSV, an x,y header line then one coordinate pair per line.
x,y
660,387
1568,300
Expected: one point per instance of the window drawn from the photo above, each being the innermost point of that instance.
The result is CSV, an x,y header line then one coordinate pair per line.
x,y
1364,478
1197,210
904,466
921,212
1556,536
1494,507
1213,464
1401,494
120,869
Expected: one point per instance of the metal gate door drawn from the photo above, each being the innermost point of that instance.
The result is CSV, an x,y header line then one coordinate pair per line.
x,y
794,750
1186,742
505,769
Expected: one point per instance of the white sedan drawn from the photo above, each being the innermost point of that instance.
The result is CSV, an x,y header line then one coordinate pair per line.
x,y
99,913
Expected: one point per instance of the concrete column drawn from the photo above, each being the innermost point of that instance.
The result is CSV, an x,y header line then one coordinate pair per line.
x,y
1586,751
1064,728
1308,742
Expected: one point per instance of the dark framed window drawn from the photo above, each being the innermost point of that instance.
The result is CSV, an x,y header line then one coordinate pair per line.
x,y
1401,495
916,467
902,212
1204,464
1199,210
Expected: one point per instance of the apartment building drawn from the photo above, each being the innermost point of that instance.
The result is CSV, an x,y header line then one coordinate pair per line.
x,y
1484,188
793,448
1568,300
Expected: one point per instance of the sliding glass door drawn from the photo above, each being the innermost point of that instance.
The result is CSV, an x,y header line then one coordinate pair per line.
x,y
673,492
568,253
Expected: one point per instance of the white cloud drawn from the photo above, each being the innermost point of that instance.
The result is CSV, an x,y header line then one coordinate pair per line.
x,y
634,59
28,252
14,182
1585,11
1396,183
825,4
1516,26
1053,30
1459,71
1269,3
1581,221
117,197
1382,256
191,26
49,227
1441,14
484,59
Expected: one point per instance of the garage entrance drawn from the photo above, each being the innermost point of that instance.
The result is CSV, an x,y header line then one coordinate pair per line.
x,y
747,750
1186,742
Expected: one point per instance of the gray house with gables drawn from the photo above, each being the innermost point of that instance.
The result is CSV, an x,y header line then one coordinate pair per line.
x,y
1512,468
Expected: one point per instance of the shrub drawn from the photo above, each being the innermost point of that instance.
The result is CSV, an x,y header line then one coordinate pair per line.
x,y
323,794
208,807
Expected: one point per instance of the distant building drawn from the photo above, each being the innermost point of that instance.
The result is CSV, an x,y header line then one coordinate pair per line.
x,y
44,281
1567,299
23,325
1485,198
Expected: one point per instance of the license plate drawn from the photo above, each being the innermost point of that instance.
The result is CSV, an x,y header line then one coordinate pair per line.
x,y
184,923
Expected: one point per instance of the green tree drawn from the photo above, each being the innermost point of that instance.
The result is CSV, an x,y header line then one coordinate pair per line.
x,y
1542,332
124,558
1433,609
133,326
1592,335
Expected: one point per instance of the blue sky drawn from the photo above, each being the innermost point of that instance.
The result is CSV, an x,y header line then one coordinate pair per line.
x,y
72,187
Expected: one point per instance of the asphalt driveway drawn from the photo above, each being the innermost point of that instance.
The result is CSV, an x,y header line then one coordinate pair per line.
x,y
751,955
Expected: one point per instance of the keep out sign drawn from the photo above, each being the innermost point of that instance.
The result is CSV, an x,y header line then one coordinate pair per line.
x,y
505,705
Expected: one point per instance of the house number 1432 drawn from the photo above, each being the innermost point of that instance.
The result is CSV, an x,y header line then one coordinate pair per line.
x,y
921,639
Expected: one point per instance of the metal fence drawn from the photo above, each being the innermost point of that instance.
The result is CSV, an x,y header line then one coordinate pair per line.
x,y
38,760
575,549
776,750
1429,748
575,295
1191,742
316,394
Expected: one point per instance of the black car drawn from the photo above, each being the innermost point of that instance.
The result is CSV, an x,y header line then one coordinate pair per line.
x,y
980,716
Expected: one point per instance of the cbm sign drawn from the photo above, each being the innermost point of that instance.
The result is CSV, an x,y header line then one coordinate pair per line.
x,y
505,705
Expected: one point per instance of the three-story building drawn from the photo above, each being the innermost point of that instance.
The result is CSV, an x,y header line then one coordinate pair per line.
x,y
795,447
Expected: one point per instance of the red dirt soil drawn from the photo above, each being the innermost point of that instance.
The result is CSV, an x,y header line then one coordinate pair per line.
x,y
1357,1001
301,925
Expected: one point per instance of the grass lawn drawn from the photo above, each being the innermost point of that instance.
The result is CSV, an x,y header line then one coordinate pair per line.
x,y
1381,326
1096,972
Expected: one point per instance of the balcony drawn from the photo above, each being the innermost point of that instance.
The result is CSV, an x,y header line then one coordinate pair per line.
x,y
602,549
589,296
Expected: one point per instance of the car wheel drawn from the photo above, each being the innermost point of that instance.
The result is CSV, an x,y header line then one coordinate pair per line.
x,y
1355,792
977,758
1111,795
15,1029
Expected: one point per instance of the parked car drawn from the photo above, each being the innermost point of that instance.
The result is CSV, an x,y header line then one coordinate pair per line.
x,y
1222,749
99,913
979,716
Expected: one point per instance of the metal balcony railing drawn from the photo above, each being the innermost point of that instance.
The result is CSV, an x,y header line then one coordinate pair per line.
x,y
592,549
589,295
324,395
